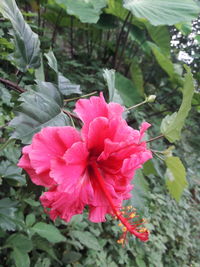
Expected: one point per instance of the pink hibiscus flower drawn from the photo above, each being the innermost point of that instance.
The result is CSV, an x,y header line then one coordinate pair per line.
x,y
91,168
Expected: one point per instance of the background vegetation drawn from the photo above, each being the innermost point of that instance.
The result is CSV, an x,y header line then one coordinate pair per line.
x,y
54,51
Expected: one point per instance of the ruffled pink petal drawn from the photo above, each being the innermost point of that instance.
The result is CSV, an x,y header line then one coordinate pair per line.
x,y
61,205
43,179
68,170
65,204
98,132
89,109
144,126
50,143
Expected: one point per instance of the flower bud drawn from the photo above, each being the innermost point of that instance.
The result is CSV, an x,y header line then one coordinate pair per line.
x,y
151,98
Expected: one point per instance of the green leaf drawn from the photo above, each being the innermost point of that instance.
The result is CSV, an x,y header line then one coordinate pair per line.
x,y
160,35
20,242
20,258
43,244
7,214
109,76
87,239
165,63
175,177
64,84
115,8
126,90
172,125
30,219
48,231
160,12
39,109
27,44
5,96
137,77
88,11
10,171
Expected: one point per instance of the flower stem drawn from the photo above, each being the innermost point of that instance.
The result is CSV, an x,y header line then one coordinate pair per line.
x,y
137,105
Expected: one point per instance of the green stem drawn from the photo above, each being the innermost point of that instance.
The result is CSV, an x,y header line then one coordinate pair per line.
x,y
138,105
75,98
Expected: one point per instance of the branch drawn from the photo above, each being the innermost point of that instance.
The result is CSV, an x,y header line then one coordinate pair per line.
x,y
155,138
12,85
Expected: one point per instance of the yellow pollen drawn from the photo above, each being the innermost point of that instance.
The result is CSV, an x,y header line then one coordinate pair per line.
x,y
120,241
120,224
124,229
142,230
132,215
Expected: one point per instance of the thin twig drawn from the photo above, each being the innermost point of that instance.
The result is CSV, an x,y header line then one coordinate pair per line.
x,y
82,96
12,85
155,138
158,156
69,114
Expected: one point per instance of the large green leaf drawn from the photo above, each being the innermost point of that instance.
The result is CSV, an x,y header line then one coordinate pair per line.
x,y
126,90
64,84
109,76
39,109
27,44
115,8
175,177
87,11
172,125
164,61
160,12
160,35
48,231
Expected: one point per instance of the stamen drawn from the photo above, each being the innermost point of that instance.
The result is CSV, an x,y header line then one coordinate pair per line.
x,y
127,226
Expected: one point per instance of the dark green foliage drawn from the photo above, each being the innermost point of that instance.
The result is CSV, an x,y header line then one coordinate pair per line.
x,y
60,47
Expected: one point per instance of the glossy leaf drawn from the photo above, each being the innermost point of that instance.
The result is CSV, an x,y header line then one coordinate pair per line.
x,y
109,76
126,90
87,11
48,231
39,109
27,44
175,177
160,12
172,125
